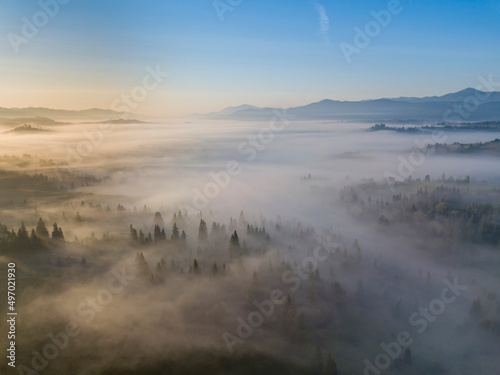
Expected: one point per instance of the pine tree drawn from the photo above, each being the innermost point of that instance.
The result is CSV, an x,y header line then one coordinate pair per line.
x,y
157,234
133,234
202,231
159,272
36,242
57,233
142,264
215,229
152,279
61,234
158,220
41,229
234,241
180,219
183,240
175,233
22,235
241,220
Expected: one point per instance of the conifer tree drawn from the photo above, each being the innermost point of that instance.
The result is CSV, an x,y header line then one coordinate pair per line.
x,y
41,229
202,231
22,235
57,233
235,240
175,233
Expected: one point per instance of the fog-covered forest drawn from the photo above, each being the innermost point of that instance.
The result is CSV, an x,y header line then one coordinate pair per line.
x,y
236,187
322,267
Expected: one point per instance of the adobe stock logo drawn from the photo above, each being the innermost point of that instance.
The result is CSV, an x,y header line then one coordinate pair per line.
x,y
223,6
40,19
422,318
124,104
58,342
372,29
221,179
460,112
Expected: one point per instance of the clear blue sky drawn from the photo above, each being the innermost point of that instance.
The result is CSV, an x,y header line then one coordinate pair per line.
x,y
264,52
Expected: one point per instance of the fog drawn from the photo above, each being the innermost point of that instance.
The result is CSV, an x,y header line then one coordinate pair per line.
x,y
315,187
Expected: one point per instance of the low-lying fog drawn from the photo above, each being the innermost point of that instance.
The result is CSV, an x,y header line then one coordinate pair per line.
x,y
162,164
279,173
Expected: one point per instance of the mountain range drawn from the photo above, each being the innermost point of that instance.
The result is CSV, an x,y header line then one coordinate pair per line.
x,y
463,106
58,114
469,105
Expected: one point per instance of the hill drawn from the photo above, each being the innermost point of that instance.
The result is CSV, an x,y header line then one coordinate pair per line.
x,y
94,114
37,121
27,128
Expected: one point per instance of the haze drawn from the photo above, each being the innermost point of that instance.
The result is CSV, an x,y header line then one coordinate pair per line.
x,y
238,187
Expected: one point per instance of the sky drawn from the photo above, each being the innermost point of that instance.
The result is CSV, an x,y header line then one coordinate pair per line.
x,y
81,54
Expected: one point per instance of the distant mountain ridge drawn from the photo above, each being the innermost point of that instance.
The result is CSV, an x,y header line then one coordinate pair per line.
x,y
231,110
459,96
29,120
475,105
59,114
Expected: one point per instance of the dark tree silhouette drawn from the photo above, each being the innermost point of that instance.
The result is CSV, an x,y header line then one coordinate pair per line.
x,y
175,233
41,229
133,234
202,231
158,220
57,233
22,235
234,240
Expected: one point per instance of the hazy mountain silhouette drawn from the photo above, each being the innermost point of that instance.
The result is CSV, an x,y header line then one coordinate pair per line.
x,y
479,106
26,128
30,120
60,114
456,97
